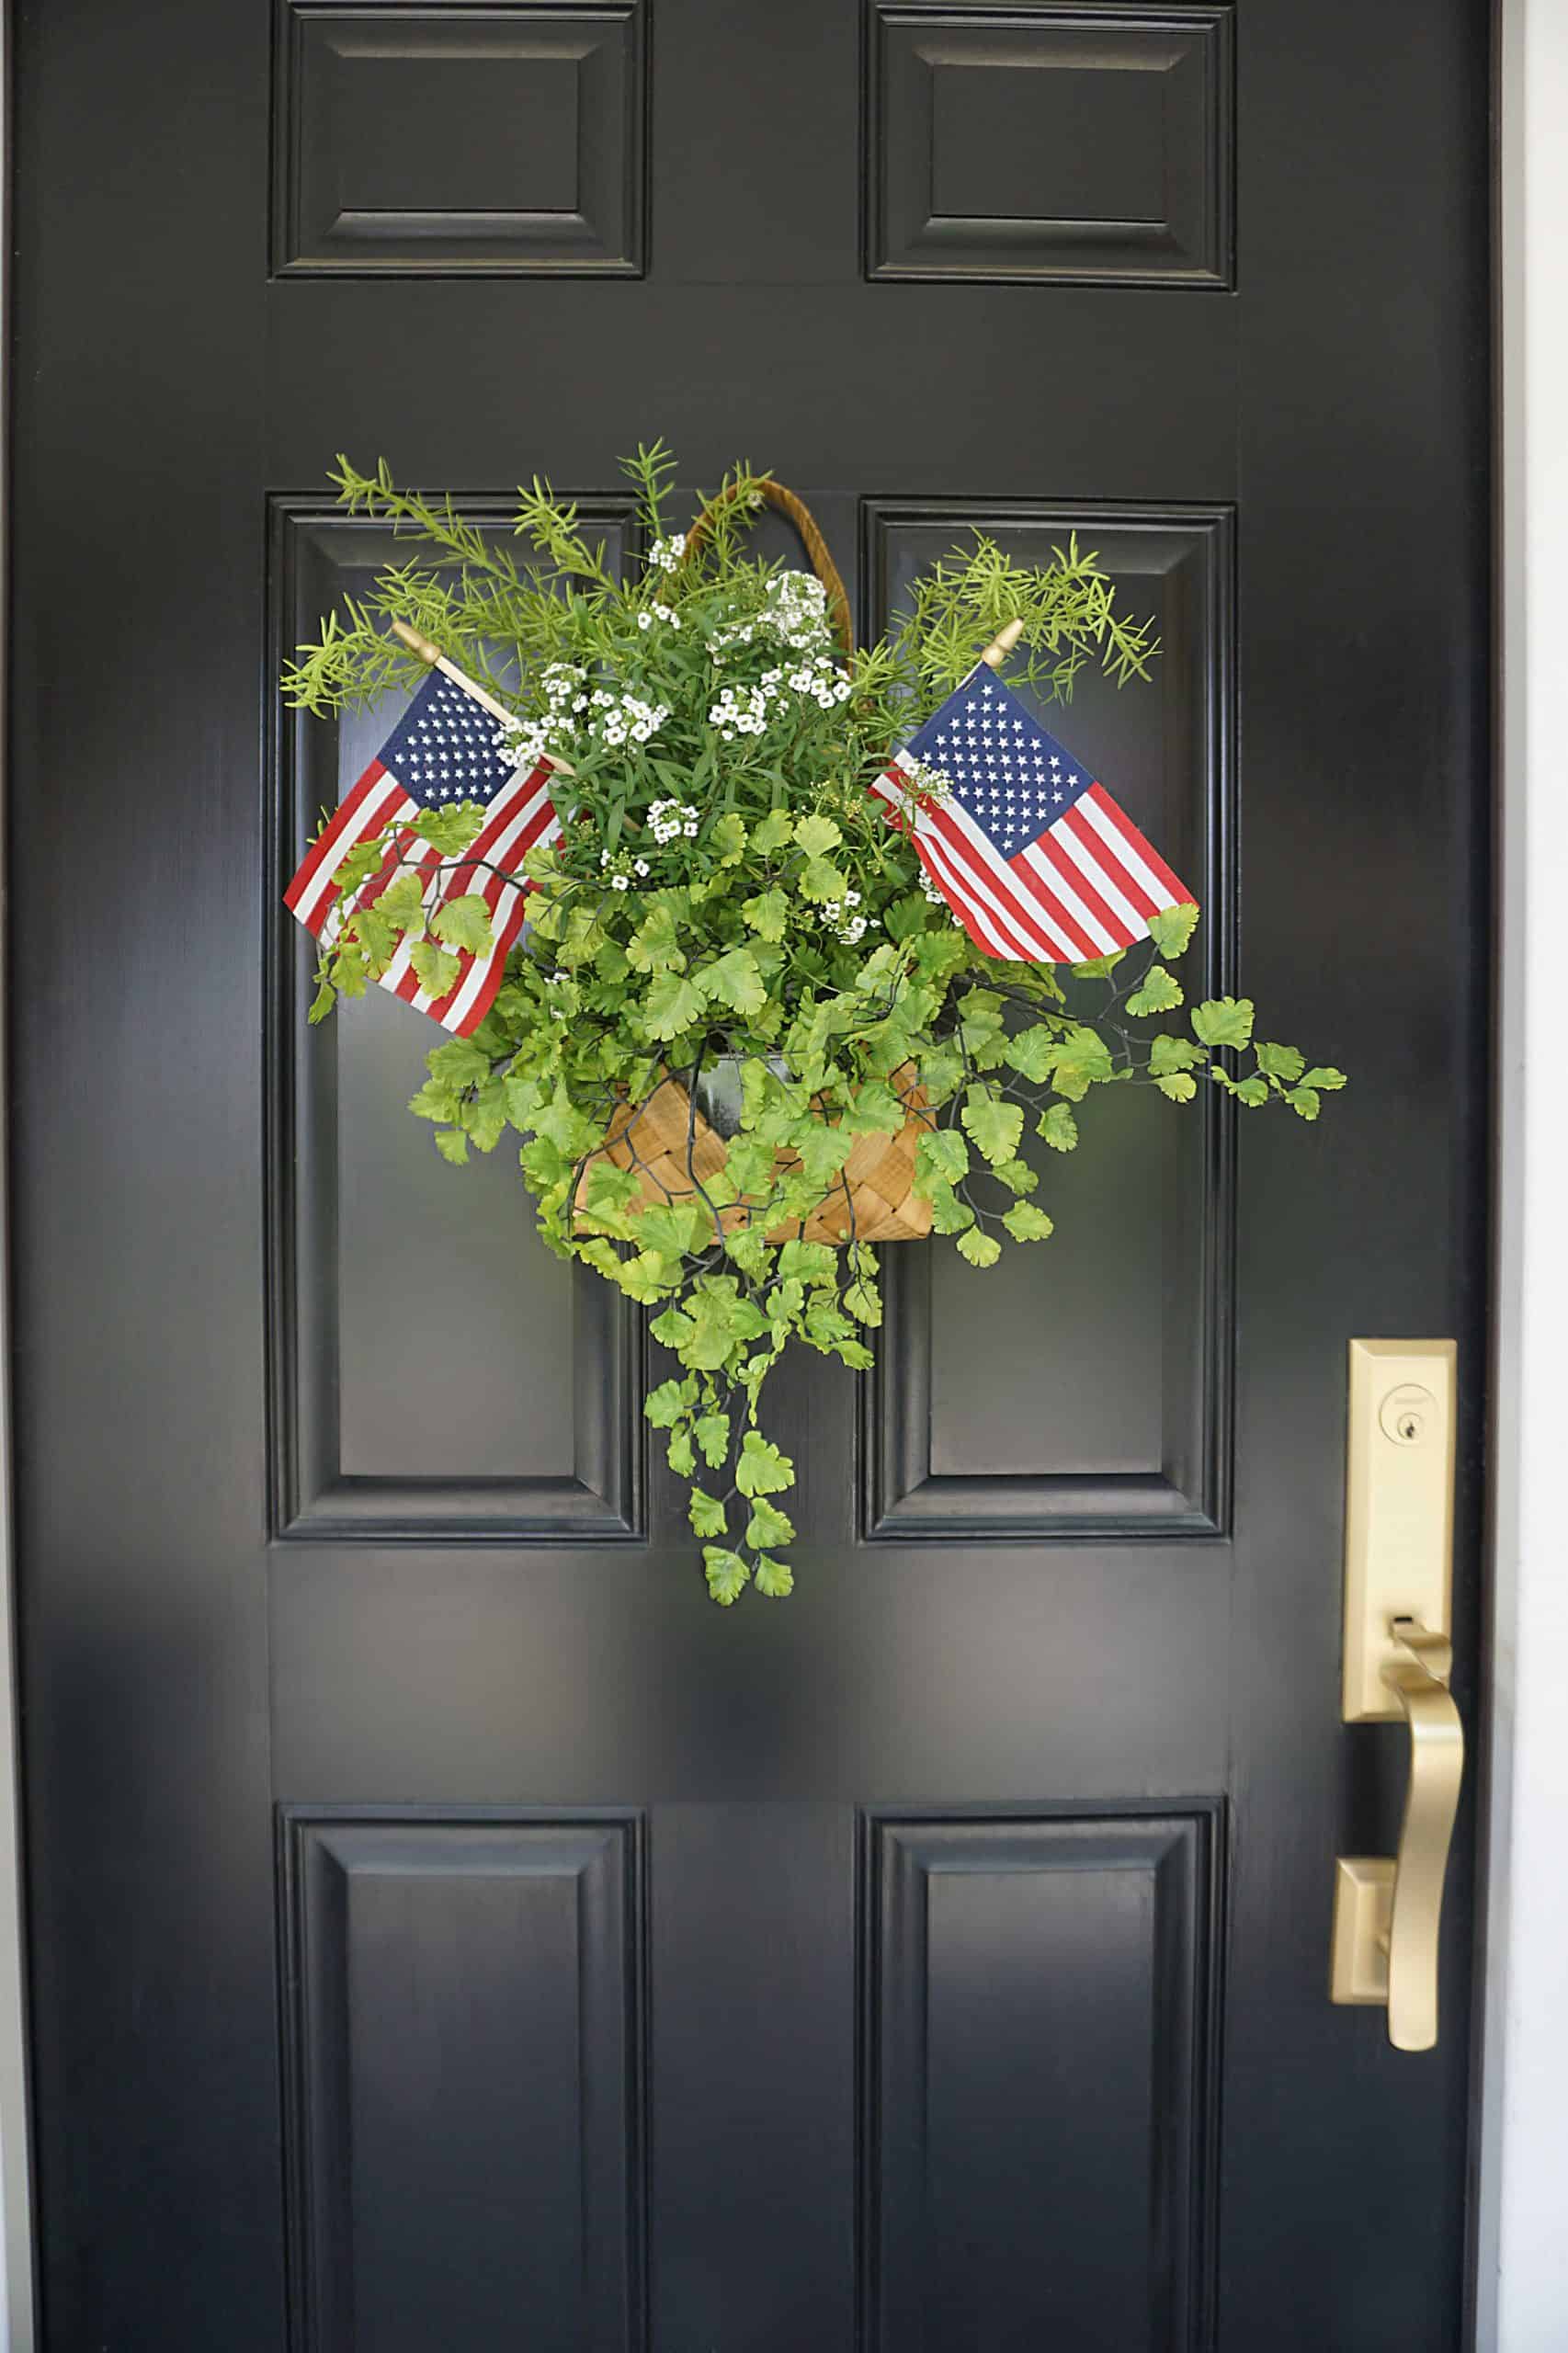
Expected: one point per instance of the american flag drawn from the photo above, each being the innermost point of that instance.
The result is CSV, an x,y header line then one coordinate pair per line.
x,y
448,747
1033,855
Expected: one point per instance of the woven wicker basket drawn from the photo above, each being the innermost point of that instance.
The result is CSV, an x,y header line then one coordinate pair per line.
x,y
673,1150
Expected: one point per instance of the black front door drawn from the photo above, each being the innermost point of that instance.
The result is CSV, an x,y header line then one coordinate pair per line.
x,y
447,1928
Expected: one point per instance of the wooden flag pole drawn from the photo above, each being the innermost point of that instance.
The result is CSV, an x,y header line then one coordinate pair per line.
x,y
1002,644
417,642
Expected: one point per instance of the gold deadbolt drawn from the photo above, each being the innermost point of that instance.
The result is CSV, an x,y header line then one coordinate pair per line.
x,y
1408,1415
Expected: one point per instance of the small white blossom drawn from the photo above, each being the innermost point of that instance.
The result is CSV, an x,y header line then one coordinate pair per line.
x,y
927,781
669,821
740,710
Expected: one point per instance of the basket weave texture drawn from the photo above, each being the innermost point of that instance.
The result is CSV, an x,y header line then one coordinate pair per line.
x,y
672,1148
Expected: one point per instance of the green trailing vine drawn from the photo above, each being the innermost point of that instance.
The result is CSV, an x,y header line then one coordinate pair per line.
x,y
725,893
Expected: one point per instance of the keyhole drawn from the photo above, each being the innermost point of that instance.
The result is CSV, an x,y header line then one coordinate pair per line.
x,y
1407,1414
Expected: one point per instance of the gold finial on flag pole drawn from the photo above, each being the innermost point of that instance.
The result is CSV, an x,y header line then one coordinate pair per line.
x,y
427,651
418,643
1002,644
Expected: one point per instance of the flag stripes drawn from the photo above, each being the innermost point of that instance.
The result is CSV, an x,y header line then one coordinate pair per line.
x,y
377,800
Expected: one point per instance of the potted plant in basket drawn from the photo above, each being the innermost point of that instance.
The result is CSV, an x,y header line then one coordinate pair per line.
x,y
707,967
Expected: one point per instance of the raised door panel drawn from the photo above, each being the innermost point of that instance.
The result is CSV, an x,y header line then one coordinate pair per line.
x,y
1051,144
1038,2082
1088,1392
464,2052
439,141
437,1372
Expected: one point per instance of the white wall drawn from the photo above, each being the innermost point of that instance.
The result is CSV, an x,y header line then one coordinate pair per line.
x,y
1523,2221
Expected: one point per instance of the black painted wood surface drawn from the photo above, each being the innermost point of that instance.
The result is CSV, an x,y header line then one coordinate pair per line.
x,y
446,1926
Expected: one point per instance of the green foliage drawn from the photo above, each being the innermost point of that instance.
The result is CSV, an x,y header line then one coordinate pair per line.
x,y
1157,993
995,1126
1223,1021
1170,929
728,1575
464,922
728,897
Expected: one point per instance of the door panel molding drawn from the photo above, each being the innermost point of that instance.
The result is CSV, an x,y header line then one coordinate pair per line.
x,y
540,1362
489,140
1144,1345
464,2052
1050,145
1039,2050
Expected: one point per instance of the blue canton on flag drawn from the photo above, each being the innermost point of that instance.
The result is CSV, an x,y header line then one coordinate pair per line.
x,y
1035,858
446,747
1011,776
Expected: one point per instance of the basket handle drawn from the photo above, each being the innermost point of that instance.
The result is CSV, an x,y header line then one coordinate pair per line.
x,y
812,540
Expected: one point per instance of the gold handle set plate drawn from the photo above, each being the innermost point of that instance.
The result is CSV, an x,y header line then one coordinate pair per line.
x,y
1398,1658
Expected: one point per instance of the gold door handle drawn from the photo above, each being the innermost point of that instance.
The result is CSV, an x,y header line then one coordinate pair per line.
x,y
1397,1661
1387,1914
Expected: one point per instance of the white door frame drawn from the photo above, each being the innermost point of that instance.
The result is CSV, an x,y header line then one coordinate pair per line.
x,y
1521,2233
1521,2236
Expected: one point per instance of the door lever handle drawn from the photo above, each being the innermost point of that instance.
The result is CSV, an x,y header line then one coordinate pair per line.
x,y
1387,1914
1398,1659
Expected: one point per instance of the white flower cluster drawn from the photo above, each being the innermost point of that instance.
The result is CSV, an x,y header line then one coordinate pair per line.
x,y
794,614
930,889
824,683
563,684
664,555
797,607
526,740
928,781
669,820
614,719
743,710
651,613
838,916
624,868
623,719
